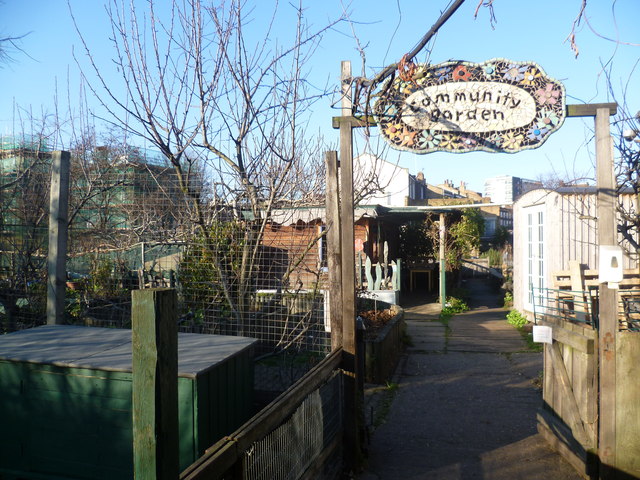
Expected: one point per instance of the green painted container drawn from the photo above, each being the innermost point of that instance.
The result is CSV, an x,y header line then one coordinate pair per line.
x,y
65,399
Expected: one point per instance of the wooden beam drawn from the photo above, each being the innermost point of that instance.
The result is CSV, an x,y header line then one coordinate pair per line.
x,y
608,314
574,340
354,121
154,339
221,456
590,109
577,425
58,227
350,346
559,438
334,256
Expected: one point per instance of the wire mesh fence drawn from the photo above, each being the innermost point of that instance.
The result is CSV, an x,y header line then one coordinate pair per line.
x,y
135,222
289,450
24,171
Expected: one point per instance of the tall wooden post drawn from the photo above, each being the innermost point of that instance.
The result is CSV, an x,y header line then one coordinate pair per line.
x,y
443,261
353,397
58,226
154,339
608,317
334,257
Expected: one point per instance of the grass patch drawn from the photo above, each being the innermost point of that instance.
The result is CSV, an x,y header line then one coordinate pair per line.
x,y
518,321
388,395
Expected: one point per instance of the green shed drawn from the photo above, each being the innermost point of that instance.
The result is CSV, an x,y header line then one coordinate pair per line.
x,y
65,399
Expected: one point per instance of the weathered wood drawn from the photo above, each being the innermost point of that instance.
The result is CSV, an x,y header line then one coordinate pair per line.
x,y
577,286
590,109
628,403
572,410
221,456
154,339
354,122
608,327
58,226
351,364
567,337
334,256
559,438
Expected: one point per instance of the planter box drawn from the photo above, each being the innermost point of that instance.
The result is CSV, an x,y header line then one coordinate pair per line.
x,y
66,407
382,353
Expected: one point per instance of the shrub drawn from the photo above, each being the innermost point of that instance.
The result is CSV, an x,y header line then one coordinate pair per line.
x,y
515,318
453,305
508,300
494,256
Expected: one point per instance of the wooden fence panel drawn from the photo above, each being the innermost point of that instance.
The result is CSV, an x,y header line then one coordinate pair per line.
x,y
628,403
569,417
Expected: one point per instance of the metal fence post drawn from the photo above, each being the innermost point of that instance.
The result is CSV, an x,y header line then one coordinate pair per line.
x,y
58,226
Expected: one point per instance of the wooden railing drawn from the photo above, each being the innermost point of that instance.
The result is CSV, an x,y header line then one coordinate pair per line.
x,y
227,457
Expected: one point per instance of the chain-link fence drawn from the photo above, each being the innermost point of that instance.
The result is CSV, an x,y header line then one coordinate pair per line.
x,y
135,221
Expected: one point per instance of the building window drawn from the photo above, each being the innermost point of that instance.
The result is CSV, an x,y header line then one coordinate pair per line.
x,y
535,273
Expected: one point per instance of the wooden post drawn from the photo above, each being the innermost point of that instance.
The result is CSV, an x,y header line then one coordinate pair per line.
x,y
443,262
608,316
58,226
332,208
353,398
155,384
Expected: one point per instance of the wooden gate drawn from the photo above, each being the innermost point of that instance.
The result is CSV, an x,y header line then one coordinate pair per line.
x,y
573,389
569,416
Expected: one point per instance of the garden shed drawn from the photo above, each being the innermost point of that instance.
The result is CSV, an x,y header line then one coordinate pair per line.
x,y
551,229
66,399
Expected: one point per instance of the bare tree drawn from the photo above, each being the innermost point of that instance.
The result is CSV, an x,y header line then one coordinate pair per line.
x,y
196,88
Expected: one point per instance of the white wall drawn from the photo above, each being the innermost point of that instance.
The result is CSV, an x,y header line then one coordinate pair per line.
x,y
569,233
392,180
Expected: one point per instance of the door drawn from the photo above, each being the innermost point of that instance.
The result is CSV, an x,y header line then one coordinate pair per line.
x,y
534,249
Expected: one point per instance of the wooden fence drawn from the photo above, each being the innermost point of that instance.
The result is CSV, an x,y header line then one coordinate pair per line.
x,y
573,389
568,419
265,448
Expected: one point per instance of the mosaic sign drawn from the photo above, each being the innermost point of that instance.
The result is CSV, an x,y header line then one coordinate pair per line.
x,y
495,106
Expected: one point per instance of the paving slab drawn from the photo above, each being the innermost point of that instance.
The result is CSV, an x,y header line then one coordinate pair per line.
x,y
465,404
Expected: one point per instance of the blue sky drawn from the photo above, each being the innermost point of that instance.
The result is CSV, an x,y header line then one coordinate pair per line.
x,y
524,31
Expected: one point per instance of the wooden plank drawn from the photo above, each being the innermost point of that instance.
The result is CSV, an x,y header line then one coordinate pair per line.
x,y
577,286
579,341
221,456
558,436
352,394
590,109
571,407
548,376
628,404
354,121
154,340
608,327
334,255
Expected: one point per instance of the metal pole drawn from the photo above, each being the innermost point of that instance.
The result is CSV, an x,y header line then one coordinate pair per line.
x,y
443,263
